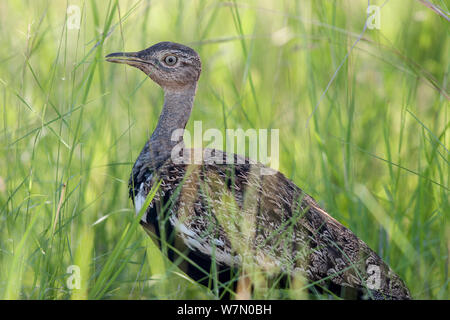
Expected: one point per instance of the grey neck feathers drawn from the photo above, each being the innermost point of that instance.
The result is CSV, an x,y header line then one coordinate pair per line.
x,y
175,114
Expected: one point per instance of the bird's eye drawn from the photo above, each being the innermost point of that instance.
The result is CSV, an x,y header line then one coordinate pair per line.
x,y
170,60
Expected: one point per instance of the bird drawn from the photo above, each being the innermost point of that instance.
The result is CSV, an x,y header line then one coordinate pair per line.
x,y
230,215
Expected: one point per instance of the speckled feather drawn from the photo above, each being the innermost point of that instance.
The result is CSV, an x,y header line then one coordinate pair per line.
x,y
289,232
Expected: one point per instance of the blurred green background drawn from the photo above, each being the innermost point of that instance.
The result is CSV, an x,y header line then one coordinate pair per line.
x,y
374,154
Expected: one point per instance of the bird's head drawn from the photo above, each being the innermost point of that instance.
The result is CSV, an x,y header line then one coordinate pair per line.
x,y
171,65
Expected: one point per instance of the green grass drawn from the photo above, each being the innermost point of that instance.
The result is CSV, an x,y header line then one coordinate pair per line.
x,y
375,152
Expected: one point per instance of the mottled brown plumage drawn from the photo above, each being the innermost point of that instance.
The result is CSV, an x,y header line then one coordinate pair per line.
x,y
232,214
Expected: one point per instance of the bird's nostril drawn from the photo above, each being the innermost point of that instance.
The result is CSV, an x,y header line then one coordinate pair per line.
x,y
115,54
122,55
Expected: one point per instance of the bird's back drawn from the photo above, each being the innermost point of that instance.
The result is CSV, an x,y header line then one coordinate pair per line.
x,y
240,215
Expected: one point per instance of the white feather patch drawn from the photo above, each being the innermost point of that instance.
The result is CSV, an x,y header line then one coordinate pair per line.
x,y
194,242
139,201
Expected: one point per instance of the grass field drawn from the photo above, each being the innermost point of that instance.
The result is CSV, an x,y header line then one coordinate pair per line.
x,y
371,146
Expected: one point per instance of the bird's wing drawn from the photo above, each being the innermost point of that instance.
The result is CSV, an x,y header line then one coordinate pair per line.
x,y
242,213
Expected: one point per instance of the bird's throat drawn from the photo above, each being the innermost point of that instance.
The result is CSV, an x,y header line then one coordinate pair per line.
x,y
174,116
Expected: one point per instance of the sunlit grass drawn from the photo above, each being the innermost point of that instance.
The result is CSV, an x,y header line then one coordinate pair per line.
x,y
374,153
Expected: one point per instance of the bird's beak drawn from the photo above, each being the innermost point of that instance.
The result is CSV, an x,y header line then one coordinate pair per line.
x,y
130,58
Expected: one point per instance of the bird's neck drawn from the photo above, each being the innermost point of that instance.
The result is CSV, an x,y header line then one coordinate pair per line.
x,y
175,115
